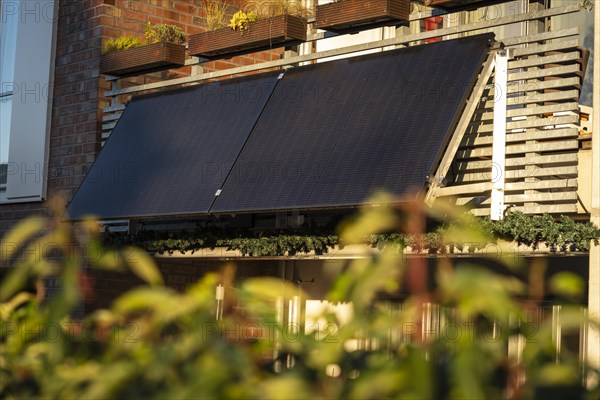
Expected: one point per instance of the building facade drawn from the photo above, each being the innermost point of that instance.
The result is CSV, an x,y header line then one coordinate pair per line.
x,y
57,112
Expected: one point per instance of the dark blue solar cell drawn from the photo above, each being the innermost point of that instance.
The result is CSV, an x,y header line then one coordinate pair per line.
x,y
170,152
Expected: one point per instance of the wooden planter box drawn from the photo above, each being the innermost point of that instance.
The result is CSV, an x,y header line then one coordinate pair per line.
x,y
261,35
144,59
459,5
354,15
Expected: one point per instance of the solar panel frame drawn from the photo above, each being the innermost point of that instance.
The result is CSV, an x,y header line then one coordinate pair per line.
x,y
170,151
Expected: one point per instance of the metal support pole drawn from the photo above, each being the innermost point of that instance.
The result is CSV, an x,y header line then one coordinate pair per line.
x,y
499,135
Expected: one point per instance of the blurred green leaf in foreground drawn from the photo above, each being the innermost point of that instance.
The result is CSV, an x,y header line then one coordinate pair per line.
x,y
155,342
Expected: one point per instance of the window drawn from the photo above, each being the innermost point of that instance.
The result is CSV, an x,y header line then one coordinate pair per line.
x,y
8,43
5,109
27,34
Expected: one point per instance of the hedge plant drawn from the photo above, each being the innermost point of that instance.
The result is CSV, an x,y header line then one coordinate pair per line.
x,y
157,343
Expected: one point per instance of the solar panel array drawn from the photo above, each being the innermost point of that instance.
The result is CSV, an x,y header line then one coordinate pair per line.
x,y
325,135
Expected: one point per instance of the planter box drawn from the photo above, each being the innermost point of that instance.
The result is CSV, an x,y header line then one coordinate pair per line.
x,y
459,5
261,35
354,15
144,59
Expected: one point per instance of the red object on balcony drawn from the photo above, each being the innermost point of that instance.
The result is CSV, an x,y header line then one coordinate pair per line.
x,y
431,24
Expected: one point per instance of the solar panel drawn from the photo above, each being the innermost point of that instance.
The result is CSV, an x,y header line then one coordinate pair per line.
x,y
171,152
287,150
334,133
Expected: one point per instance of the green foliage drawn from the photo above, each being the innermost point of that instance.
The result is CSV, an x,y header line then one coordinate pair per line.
x,y
154,34
121,43
257,244
159,33
274,245
567,284
561,235
240,21
156,343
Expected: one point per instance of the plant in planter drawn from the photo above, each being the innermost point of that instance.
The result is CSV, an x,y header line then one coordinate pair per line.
x,y
121,43
241,20
259,25
347,16
273,8
164,33
216,14
128,56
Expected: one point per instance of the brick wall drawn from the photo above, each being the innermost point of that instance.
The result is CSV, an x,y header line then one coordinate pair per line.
x,y
75,126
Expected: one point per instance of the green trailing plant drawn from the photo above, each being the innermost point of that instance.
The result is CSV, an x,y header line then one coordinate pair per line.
x,y
532,230
277,245
271,243
121,43
559,235
156,343
159,33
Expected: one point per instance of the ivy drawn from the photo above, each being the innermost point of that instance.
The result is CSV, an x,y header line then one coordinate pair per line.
x,y
257,244
559,235
283,244
563,234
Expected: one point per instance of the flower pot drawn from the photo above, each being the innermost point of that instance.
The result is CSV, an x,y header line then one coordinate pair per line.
x,y
458,5
144,59
354,15
261,35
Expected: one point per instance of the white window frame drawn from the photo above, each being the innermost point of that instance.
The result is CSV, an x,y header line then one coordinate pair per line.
x,y
31,92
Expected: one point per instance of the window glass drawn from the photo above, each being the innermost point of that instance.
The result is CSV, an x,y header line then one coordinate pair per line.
x,y
5,109
9,14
